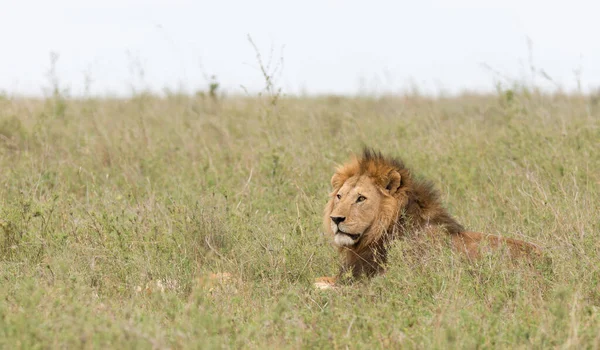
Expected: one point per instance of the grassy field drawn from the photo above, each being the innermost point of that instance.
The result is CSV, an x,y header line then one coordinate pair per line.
x,y
114,214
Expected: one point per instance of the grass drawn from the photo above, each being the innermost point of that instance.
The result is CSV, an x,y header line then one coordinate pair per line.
x,y
115,213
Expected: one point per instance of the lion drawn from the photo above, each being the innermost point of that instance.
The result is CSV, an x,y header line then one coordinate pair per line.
x,y
375,199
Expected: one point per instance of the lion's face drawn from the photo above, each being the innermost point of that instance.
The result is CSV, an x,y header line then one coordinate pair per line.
x,y
355,208
366,199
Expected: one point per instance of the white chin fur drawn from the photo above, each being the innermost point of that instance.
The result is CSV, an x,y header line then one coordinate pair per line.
x,y
343,240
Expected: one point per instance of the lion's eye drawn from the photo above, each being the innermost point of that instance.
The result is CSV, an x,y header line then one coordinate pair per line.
x,y
339,196
360,199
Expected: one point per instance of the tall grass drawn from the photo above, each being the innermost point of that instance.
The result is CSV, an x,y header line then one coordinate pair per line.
x,y
116,214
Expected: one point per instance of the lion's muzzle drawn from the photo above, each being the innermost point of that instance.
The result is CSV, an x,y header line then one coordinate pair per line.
x,y
344,239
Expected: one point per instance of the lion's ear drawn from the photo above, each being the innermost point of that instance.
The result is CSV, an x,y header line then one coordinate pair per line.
x,y
393,182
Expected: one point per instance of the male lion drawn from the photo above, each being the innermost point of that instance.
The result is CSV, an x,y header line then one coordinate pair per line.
x,y
375,199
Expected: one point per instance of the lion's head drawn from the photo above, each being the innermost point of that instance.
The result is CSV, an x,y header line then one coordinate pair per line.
x,y
368,194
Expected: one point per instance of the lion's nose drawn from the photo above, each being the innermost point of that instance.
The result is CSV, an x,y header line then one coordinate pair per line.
x,y
338,219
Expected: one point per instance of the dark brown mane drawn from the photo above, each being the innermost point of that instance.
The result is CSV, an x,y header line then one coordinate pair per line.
x,y
369,156
423,204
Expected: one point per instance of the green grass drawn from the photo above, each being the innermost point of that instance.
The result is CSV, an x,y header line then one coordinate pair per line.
x,y
114,213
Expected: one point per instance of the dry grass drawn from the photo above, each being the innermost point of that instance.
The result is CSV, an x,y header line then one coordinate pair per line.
x,y
116,217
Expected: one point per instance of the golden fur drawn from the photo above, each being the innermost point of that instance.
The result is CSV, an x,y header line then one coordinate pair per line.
x,y
375,199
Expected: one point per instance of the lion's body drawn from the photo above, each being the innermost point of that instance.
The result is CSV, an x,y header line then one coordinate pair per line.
x,y
376,199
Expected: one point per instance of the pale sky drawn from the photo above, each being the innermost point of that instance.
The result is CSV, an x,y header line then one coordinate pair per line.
x,y
341,47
